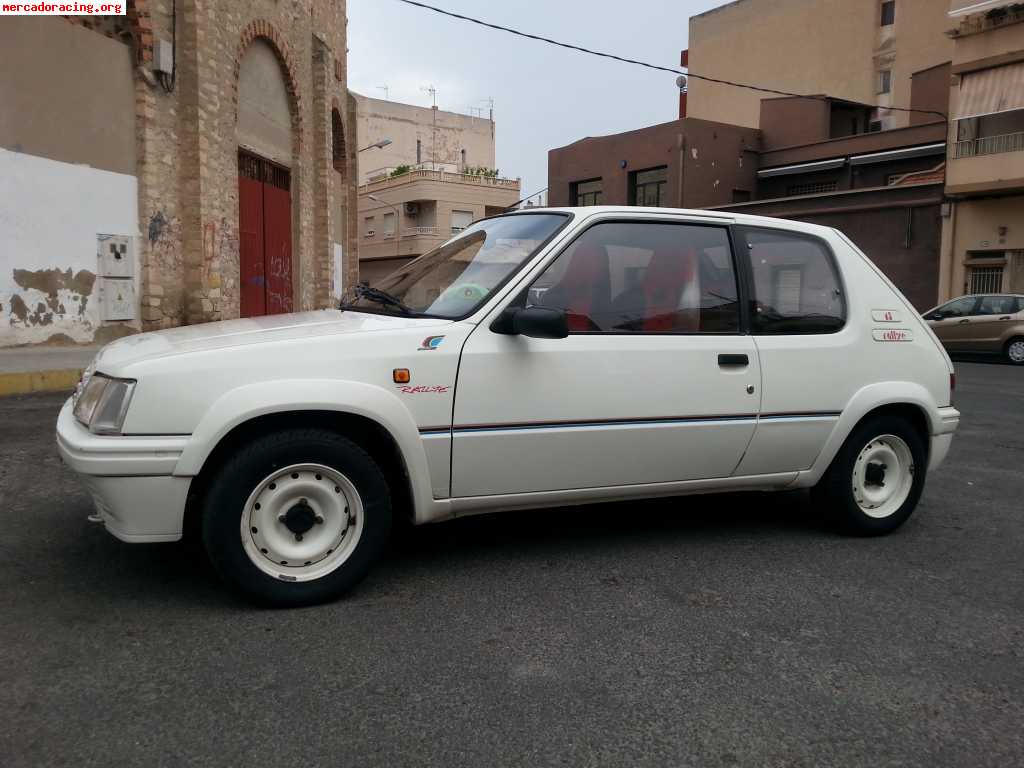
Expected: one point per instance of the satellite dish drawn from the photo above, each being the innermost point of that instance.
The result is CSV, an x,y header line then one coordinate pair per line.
x,y
681,82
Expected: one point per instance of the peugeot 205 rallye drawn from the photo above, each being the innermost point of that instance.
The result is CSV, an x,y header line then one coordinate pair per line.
x,y
536,359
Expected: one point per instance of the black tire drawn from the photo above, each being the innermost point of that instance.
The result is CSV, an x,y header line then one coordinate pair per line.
x,y
834,493
233,483
1006,350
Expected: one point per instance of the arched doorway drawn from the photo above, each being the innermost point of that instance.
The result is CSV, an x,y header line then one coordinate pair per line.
x,y
265,141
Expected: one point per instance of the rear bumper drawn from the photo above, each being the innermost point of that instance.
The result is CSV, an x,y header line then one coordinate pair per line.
x,y
942,436
129,479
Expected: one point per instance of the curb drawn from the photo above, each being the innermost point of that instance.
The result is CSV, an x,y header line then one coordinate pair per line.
x,y
39,381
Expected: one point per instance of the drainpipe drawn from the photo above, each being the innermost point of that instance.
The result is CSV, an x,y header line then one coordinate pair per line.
x,y
681,144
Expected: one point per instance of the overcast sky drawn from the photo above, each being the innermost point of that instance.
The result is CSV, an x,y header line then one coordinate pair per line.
x,y
544,97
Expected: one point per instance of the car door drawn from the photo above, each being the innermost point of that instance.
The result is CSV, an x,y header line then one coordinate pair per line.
x,y
995,315
654,383
950,321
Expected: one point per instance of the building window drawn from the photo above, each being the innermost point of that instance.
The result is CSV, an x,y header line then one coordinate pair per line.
x,y
796,287
648,188
461,220
388,223
986,280
888,13
812,189
419,151
463,159
368,224
884,81
585,192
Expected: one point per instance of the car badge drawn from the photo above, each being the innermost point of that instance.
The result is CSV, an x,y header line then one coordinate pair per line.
x,y
431,343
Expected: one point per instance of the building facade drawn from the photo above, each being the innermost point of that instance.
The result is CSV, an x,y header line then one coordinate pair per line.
x,y
863,51
683,163
435,177
983,232
187,162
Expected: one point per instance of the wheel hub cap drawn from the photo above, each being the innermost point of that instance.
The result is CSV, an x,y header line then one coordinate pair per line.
x,y
883,475
1017,351
301,522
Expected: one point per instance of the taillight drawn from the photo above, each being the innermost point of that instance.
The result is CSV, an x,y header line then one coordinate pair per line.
x,y
952,387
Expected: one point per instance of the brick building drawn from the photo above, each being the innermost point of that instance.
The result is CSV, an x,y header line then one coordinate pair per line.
x,y
184,163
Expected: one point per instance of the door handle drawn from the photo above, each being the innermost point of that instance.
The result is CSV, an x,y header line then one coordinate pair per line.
x,y
963,321
1006,318
724,360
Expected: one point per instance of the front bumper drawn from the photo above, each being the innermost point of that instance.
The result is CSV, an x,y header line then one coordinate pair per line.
x,y
129,478
942,436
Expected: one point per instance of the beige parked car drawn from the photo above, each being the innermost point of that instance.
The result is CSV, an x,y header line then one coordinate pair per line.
x,y
981,323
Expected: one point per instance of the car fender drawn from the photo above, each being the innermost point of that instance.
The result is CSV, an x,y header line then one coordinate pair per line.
x,y
253,400
863,401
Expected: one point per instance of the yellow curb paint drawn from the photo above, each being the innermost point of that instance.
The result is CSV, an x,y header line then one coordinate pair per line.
x,y
39,381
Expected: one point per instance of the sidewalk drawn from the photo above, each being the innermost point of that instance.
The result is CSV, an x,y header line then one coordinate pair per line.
x,y
42,369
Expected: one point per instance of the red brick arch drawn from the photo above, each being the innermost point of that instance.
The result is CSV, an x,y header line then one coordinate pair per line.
x,y
141,24
261,29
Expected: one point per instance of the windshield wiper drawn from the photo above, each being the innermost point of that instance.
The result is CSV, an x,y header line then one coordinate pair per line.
x,y
376,295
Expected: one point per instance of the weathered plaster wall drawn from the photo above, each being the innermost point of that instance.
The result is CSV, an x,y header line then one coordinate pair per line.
x,y
50,215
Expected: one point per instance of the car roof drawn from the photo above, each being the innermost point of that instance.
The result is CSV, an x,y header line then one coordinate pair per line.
x,y
725,217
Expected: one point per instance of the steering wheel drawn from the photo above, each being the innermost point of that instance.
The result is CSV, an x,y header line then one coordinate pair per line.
x,y
470,292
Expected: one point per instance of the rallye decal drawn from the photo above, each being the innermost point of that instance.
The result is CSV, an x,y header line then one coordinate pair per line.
x,y
409,389
431,343
892,334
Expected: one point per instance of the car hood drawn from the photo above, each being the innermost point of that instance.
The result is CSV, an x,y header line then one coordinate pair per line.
x,y
252,330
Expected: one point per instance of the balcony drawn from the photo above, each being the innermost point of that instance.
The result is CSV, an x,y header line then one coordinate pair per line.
x,y
444,177
977,23
990,145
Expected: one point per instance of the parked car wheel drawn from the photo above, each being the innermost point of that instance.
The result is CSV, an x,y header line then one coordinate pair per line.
x,y
296,517
1015,350
875,481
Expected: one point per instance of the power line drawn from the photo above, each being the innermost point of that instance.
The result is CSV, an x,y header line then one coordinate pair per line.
x,y
648,65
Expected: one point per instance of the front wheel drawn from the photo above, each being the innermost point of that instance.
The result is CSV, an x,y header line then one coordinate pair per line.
x,y
296,517
876,479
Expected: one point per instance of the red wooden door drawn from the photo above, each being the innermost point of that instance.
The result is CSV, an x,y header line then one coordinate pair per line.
x,y
277,228
265,237
252,276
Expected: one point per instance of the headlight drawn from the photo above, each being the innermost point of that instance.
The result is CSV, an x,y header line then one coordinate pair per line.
x,y
103,403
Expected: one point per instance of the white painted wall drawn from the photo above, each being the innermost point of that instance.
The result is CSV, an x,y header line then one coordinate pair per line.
x,y
50,215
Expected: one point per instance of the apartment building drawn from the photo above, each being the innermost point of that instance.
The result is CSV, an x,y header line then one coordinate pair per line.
x,y
430,175
863,51
983,232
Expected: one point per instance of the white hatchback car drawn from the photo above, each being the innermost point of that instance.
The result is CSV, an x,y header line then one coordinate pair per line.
x,y
537,359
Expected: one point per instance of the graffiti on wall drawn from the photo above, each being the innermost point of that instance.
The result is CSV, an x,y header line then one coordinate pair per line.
x,y
51,297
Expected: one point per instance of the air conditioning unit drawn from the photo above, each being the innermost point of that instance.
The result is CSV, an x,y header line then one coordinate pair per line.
x,y
412,209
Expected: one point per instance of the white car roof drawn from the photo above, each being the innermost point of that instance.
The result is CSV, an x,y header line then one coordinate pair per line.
x,y
726,217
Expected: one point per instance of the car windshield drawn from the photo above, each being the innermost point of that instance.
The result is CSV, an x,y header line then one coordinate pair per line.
x,y
454,279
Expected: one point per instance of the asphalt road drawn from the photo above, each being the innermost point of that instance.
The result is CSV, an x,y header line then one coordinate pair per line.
x,y
728,630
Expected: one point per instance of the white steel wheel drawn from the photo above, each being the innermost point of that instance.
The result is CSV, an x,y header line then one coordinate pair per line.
x,y
302,522
1015,351
883,476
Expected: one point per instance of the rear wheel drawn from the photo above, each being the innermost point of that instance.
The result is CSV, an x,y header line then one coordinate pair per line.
x,y
876,479
1014,350
297,517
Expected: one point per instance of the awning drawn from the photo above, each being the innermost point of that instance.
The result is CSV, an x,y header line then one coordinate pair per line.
x,y
900,154
786,170
988,91
964,7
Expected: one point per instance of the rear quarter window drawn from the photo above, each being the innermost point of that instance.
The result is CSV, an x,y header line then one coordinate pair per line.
x,y
795,285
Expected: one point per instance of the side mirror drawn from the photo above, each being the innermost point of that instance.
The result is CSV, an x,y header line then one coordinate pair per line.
x,y
933,316
541,323
536,322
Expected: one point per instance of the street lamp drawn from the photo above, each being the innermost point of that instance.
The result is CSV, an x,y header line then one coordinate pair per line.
x,y
398,222
377,145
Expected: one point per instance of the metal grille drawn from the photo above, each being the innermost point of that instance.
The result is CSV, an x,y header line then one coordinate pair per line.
x,y
986,279
260,169
990,145
812,189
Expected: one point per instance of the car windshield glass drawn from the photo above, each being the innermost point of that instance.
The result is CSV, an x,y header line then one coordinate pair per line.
x,y
454,279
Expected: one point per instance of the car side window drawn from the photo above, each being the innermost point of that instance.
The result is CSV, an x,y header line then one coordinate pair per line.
x,y
796,287
644,277
961,307
998,305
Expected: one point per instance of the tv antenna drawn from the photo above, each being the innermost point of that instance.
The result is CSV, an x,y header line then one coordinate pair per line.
x,y
433,93
385,89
